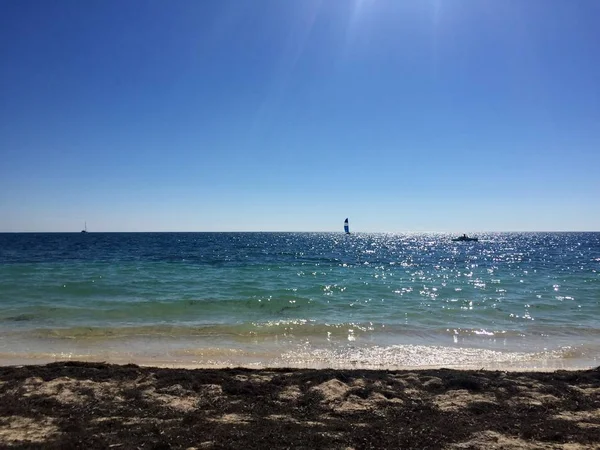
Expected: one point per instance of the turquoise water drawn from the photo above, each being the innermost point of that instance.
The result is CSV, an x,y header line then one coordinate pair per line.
x,y
302,299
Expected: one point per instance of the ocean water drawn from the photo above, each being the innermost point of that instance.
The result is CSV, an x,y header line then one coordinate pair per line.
x,y
511,300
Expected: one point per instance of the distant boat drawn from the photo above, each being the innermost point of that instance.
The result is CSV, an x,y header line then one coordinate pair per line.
x,y
346,227
465,238
84,228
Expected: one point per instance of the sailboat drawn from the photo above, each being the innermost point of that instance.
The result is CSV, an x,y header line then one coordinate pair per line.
x,y
346,227
84,228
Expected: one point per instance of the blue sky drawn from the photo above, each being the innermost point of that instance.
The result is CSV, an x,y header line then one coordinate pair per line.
x,y
219,115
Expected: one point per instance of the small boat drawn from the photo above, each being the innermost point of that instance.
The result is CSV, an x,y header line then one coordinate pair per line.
x,y
346,227
84,228
465,238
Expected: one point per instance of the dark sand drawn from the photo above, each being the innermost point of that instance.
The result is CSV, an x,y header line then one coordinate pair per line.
x,y
94,405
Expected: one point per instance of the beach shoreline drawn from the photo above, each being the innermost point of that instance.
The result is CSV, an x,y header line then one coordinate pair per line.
x,y
253,363
169,364
97,405
291,352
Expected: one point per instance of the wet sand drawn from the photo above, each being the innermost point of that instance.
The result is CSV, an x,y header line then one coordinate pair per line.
x,y
95,405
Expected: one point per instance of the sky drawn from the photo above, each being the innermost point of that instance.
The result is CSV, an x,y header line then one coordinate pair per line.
x,y
275,115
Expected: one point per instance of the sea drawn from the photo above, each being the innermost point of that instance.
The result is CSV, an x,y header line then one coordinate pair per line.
x,y
510,301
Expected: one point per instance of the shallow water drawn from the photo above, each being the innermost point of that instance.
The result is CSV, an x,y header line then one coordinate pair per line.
x,y
302,299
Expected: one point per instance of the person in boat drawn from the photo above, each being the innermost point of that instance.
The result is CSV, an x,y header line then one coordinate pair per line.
x,y
464,236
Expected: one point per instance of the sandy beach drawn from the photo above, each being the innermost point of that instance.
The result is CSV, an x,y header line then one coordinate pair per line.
x,y
96,405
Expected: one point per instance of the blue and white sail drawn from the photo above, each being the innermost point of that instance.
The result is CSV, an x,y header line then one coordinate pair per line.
x,y
346,227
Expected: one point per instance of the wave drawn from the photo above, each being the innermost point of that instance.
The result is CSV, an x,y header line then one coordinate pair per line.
x,y
300,355
303,329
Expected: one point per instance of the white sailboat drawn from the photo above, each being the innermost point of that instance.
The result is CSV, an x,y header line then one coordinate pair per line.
x,y
346,226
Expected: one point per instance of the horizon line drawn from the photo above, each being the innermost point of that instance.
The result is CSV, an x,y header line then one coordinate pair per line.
x,y
305,231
